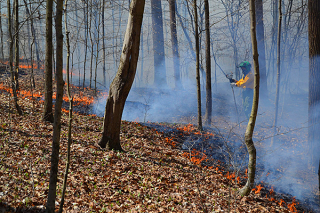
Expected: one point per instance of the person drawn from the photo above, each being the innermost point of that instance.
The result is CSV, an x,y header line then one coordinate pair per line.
x,y
247,83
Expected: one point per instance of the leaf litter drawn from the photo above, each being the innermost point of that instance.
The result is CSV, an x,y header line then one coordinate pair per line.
x,y
154,174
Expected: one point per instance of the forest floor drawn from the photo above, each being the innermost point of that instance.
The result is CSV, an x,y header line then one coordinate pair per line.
x,y
154,174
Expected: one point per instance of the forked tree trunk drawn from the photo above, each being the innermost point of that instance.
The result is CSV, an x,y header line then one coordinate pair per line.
x,y
252,120
196,34
121,84
208,65
50,206
47,113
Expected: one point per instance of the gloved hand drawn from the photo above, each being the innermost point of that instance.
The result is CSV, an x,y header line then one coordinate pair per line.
x,y
233,84
229,76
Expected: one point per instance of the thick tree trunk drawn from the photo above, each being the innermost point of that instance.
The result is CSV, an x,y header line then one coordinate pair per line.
x,y
121,84
261,49
251,124
314,80
197,63
158,44
174,41
50,206
208,65
47,113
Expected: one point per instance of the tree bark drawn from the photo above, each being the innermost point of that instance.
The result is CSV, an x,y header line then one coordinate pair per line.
x,y
275,122
174,41
47,113
252,120
16,44
261,49
1,36
121,84
314,80
13,76
50,206
158,44
70,111
196,34
208,65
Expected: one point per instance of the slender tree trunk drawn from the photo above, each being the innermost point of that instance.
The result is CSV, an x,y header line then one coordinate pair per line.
x,y
16,44
13,76
92,46
141,56
1,36
261,49
47,113
86,14
314,79
70,112
197,63
275,122
103,46
121,85
57,113
208,65
158,44
252,120
174,41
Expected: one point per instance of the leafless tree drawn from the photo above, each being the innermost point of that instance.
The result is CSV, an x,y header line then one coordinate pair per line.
x,y
252,120
50,206
314,78
47,112
121,84
196,34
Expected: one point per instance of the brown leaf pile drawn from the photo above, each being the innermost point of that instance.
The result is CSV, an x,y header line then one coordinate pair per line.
x,y
153,175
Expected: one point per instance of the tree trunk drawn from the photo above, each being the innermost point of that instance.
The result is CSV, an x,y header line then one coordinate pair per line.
x,y
261,49
13,76
174,41
1,36
121,84
86,14
70,111
208,65
252,120
158,44
314,79
275,122
47,113
196,34
50,206
103,46
16,44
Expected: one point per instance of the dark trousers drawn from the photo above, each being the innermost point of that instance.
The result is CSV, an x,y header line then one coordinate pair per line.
x,y
247,99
